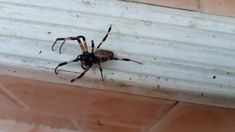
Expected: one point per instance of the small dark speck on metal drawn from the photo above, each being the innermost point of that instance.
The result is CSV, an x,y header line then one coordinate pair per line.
x,y
87,3
40,52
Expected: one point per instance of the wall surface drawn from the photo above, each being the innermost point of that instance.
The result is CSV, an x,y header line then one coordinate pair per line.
x,y
77,108
219,7
38,106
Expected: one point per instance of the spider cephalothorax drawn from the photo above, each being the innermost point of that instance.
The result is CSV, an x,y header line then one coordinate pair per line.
x,y
87,59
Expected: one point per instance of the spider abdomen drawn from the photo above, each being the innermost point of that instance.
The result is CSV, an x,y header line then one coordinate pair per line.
x,y
103,55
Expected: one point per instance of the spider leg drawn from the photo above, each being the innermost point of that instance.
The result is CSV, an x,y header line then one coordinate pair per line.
x,y
85,44
58,39
105,37
66,62
92,46
101,71
83,67
81,75
125,59
83,48
62,46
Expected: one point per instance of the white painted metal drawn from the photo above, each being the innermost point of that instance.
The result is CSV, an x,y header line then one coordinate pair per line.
x,y
186,56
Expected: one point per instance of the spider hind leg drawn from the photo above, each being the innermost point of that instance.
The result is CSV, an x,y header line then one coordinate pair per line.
x,y
126,59
105,37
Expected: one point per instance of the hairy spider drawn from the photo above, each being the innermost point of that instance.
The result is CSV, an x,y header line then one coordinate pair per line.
x,y
87,59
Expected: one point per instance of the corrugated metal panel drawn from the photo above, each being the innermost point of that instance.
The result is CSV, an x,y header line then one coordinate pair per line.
x,y
186,56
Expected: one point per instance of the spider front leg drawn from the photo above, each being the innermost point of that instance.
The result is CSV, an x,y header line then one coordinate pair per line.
x,y
65,63
81,75
58,39
84,47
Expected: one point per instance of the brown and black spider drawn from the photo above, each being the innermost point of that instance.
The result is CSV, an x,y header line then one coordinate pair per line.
x,y
87,59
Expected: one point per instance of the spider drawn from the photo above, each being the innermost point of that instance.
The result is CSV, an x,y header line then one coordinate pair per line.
x,y
87,59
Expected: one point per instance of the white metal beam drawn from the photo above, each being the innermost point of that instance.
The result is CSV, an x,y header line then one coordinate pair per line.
x,y
187,56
